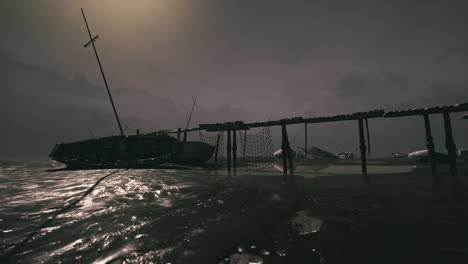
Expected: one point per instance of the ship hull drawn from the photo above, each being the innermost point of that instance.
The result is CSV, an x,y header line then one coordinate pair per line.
x,y
193,153
137,151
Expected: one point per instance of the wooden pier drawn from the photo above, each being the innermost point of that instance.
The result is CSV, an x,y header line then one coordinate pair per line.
x,y
361,117
449,140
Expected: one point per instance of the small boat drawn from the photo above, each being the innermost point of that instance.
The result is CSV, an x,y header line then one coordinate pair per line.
x,y
279,153
424,156
345,155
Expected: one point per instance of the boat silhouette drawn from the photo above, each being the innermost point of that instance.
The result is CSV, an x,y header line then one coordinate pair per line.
x,y
129,151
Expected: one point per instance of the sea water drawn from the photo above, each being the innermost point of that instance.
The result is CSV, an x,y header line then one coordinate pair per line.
x,y
172,215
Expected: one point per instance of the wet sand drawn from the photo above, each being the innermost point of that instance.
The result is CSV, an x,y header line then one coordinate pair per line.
x,y
328,216
398,219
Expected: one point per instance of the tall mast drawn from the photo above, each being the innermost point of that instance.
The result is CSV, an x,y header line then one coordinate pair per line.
x,y
190,117
91,41
191,111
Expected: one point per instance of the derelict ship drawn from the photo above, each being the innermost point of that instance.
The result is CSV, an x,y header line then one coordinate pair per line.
x,y
134,151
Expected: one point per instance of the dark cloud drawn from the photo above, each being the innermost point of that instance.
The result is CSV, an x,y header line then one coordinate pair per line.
x,y
39,108
394,90
367,85
444,93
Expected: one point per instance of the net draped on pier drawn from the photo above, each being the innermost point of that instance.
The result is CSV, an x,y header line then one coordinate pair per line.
x,y
254,151
212,140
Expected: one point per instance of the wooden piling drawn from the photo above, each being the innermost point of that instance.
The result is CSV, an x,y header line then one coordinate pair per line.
x,y
368,137
286,150
431,149
216,151
245,143
185,135
178,134
362,147
291,165
234,149
228,149
305,139
283,150
452,152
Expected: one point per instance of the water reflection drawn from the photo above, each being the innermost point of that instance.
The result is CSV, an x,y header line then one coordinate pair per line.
x,y
37,195
139,216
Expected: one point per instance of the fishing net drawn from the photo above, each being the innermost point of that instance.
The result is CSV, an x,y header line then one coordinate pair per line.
x,y
215,140
255,151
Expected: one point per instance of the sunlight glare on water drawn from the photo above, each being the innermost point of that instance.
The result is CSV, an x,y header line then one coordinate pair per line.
x,y
111,216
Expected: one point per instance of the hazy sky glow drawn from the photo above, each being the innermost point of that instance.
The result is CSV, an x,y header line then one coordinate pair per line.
x,y
245,60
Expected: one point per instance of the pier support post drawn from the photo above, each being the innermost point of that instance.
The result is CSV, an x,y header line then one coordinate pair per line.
x,y
368,137
305,139
216,152
286,150
185,135
283,150
452,152
234,149
178,134
228,149
431,150
362,147
245,143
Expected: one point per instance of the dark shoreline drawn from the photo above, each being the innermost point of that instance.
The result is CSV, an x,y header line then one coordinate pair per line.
x,y
397,219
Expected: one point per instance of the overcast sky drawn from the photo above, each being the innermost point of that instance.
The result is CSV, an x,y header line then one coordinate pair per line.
x,y
245,60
